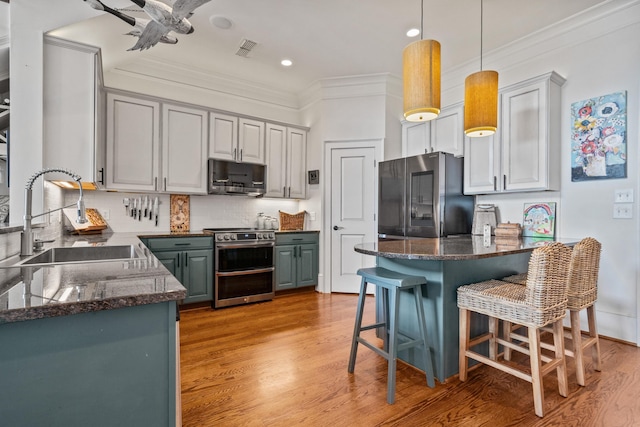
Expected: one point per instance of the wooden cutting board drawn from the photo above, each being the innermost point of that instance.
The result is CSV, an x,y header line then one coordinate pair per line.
x,y
95,222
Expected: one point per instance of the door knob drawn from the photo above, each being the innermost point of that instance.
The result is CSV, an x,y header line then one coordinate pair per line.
x,y
335,227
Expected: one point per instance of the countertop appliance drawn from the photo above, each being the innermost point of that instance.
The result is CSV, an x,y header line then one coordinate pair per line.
x,y
421,196
226,177
244,269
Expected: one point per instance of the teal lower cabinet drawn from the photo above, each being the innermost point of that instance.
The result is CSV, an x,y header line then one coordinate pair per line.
x,y
190,260
296,260
101,369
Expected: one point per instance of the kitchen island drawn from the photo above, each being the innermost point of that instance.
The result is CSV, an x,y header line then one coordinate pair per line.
x,y
89,343
448,263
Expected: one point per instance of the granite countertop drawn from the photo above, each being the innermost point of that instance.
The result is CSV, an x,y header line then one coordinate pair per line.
x,y
35,292
455,248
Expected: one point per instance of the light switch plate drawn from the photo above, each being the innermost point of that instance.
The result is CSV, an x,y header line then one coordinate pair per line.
x,y
624,196
622,210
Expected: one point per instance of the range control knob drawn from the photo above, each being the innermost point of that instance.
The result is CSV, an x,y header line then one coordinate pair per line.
x,y
219,238
233,237
226,237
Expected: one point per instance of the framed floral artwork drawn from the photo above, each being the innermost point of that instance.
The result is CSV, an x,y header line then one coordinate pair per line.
x,y
599,137
539,220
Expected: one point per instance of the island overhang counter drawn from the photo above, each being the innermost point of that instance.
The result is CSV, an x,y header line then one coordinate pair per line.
x,y
448,263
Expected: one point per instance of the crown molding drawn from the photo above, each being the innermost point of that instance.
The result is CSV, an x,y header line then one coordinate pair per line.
x,y
154,69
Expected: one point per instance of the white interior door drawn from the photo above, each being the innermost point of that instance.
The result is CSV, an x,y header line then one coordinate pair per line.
x,y
353,212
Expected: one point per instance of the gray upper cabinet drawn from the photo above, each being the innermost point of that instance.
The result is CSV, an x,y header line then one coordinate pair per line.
x,y
286,162
139,159
73,110
133,143
236,139
184,149
524,155
446,133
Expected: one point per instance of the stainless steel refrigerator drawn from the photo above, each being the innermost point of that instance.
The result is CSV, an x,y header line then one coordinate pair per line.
x,y
421,196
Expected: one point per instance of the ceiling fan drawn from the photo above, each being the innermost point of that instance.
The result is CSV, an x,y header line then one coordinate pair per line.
x,y
166,16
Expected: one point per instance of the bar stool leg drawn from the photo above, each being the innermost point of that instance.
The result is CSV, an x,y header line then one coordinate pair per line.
x,y
536,371
465,324
394,302
422,323
576,337
358,325
593,333
385,316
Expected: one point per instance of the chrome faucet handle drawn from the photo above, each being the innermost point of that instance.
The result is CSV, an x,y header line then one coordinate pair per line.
x,y
38,244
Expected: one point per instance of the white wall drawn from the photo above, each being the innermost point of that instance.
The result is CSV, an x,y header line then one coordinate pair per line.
x,y
597,56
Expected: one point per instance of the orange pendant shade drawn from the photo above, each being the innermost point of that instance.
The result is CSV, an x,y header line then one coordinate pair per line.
x,y
421,80
481,103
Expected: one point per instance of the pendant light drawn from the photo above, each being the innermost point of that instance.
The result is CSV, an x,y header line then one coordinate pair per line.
x,y
421,78
481,98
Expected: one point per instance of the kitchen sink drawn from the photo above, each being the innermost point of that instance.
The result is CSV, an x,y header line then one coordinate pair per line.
x,y
83,254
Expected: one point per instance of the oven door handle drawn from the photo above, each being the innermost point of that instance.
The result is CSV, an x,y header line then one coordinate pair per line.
x,y
245,272
244,245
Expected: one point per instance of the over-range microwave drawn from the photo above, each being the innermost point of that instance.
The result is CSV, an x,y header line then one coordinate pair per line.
x,y
232,178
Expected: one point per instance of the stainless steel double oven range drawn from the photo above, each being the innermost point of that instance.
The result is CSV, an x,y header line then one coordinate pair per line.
x,y
244,268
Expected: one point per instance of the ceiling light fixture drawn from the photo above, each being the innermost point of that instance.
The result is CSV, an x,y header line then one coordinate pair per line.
x,y
421,78
413,32
481,98
286,63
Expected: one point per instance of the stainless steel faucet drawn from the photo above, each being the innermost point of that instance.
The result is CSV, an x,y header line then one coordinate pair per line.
x,y
26,238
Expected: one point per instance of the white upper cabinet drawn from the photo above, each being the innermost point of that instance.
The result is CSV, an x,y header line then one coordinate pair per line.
x,y
447,131
184,149
527,157
416,138
444,134
133,143
223,136
286,162
73,110
250,141
236,139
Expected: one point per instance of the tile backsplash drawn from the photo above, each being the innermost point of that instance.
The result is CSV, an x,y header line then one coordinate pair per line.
x,y
205,211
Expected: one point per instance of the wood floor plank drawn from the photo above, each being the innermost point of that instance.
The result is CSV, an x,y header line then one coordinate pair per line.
x,y
284,363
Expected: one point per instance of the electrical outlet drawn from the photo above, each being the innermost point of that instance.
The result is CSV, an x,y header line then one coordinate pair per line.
x,y
105,213
624,196
623,210
312,216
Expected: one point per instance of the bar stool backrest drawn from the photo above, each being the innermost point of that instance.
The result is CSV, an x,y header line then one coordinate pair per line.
x,y
583,277
547,276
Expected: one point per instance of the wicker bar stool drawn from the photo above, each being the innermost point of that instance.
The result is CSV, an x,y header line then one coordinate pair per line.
x,y
389,284
541,302
582,293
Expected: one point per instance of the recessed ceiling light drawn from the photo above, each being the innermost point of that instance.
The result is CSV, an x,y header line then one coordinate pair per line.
x,y
413,32
286,63
220,22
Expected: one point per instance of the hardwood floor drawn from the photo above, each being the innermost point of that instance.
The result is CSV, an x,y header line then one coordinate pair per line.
x,y
284,363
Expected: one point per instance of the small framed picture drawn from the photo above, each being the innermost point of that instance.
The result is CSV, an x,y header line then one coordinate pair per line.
x,y
539,220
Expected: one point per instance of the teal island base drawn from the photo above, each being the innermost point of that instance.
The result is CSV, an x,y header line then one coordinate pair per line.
x,y
439,295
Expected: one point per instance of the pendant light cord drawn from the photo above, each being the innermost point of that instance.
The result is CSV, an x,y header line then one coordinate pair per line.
x,y
481,30
421,19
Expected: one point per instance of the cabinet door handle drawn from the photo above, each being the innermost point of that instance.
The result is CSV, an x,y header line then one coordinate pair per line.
x,y
289,192
504,182
186,260
178,261
284,191
101,171
235,151
165,184
241,154
182,244
495,183
155,184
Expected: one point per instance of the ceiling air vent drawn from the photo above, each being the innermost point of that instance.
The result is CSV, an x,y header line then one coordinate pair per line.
x,y
245,47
